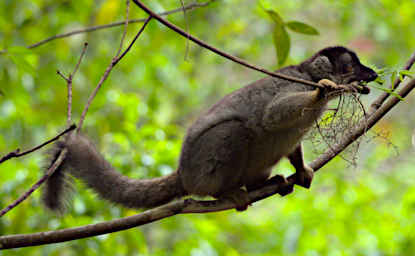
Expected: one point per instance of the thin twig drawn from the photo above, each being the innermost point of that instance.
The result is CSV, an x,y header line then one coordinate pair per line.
x,y
110,25
322,136
80,60
186,21
363,127
104,77
127,15
69,84
50,171
62,75
219,52
17,154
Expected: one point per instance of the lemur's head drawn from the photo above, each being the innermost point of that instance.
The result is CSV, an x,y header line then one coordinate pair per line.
x,y
339,65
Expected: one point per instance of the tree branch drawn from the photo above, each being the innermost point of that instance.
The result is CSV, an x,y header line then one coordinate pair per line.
x,y
219,52
17,154
127,15
104,77
381,99
189,7
50,171
69,83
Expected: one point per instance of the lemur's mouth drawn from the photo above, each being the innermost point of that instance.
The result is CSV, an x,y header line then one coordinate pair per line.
x,y
362,87
357,86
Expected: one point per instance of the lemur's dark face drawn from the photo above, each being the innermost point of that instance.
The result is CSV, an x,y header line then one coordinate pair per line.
x,y
347,65
340,65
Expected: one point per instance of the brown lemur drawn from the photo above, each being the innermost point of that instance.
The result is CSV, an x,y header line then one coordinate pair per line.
x,y
231,148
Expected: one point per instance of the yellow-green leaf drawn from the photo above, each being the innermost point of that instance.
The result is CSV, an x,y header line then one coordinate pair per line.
x,y
281,43
387,91
302,28
275,17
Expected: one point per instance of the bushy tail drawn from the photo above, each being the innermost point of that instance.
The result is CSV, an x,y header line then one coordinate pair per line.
x,y
58,188
84,162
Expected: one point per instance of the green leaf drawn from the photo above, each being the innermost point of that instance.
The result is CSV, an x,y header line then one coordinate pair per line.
x,y
302,28
393,78
281,43
275,17
387,91
406,73
379,80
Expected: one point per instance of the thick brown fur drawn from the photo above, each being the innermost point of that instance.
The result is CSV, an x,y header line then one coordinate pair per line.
x,y
83,161
231,147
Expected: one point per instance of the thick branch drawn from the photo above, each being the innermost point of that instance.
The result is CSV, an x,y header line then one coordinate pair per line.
x,y
189,205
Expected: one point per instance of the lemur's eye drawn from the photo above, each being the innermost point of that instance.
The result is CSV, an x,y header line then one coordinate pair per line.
x,y
347,68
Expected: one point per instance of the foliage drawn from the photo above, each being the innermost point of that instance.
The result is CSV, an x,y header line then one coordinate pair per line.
x,y
139,119
282,41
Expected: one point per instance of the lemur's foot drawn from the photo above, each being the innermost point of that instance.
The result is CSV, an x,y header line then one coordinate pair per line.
x,y
239,197
304,177
286,188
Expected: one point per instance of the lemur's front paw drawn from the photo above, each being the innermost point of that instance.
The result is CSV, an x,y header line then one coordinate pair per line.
x,y
304,177
328,84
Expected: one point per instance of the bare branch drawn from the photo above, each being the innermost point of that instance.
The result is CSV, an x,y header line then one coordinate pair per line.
x,y
17,154
189,205
127,14
79,61
50,171
174,208
69,84
219,52
189,7
62,75
104,77
186,54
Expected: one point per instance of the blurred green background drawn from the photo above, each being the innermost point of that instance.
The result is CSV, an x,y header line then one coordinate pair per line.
x,y
140,116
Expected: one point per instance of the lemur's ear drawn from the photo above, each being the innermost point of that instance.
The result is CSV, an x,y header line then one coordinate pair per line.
x,y
320,67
